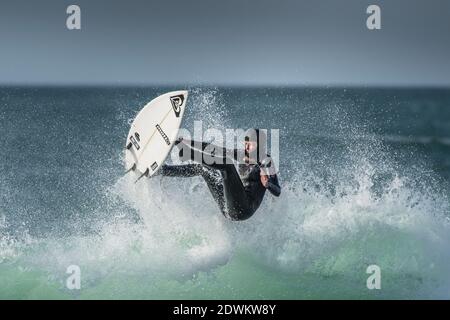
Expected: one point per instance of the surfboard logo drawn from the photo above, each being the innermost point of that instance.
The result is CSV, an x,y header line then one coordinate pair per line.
x,y
135,143
177,102
163,134
154,166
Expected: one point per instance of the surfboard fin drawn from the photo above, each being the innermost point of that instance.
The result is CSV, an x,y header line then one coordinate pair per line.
x,y
131,169
142,175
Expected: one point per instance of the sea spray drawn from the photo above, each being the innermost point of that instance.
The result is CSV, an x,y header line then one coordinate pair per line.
x,y
349,200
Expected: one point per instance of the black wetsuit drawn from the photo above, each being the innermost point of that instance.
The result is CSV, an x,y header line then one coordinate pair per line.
x,y
238,194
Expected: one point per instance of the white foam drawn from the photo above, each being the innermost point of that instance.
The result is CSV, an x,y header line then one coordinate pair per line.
x,y
181,232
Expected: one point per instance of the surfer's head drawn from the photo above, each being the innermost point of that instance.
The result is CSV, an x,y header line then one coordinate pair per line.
x,y
255,144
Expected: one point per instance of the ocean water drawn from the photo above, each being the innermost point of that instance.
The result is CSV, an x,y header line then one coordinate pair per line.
x,y
365,176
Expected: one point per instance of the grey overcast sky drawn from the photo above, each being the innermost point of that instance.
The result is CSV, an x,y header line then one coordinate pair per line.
x,y
225,42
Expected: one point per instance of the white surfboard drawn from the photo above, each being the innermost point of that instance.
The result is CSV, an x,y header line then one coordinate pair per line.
x,y
153,132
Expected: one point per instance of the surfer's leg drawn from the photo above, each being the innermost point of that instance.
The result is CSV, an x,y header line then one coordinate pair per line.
x,y
214,182
228,191
237,204
199,151
212,178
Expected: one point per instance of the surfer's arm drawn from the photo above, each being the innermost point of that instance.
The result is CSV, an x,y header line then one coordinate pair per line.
x,y
269,172
273,186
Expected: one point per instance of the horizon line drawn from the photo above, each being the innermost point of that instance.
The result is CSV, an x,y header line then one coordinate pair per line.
x,y
226,85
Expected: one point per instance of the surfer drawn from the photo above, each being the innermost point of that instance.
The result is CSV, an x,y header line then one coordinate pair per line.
x,y
238,193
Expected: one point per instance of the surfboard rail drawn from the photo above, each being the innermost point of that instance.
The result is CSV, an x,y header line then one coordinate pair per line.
x,y
153,132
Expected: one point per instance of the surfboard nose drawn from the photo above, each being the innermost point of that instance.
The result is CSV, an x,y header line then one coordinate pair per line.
x,y
185,93
179,92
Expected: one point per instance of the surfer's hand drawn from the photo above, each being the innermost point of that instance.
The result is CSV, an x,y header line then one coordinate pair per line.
x,y
264,180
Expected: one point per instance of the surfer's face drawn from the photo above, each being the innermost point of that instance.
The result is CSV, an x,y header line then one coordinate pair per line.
x,y
250,146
